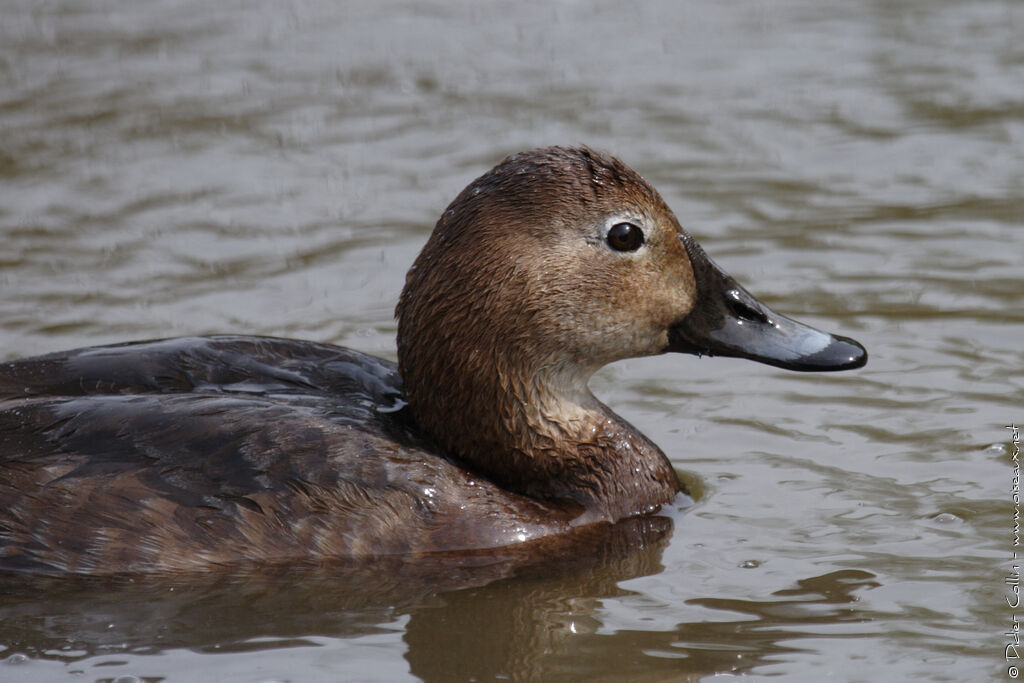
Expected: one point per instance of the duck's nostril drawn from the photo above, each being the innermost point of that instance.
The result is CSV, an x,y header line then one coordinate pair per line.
x,y
744,311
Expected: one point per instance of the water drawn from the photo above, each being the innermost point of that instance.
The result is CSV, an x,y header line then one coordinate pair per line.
x,y
173,168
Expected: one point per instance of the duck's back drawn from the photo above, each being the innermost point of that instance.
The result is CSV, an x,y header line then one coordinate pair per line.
x,y
198,451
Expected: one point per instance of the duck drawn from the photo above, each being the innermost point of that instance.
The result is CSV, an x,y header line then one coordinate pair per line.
x,y
202,452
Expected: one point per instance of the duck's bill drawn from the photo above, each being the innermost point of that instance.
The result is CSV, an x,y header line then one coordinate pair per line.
x,y
728,321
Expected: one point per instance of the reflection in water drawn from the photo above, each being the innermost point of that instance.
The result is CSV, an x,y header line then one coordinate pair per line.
x,y
469,617
483,613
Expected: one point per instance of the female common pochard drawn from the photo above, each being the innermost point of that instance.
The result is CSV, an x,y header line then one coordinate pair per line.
x,y
195,452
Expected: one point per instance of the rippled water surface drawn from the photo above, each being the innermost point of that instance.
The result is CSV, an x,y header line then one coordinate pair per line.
x,y
172,168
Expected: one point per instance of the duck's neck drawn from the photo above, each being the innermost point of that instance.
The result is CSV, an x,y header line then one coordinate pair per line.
x,y
582,450
544,435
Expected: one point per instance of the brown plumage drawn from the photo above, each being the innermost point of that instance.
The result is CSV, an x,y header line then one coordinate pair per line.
x,y
207,451
515,356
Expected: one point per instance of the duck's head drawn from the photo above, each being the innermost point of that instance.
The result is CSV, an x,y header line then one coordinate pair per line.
x,y
554,263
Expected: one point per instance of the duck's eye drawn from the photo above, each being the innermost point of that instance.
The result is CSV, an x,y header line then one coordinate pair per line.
x,y
625,237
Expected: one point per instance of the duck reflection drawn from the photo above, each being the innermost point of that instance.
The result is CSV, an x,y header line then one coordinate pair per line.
x,y
471,616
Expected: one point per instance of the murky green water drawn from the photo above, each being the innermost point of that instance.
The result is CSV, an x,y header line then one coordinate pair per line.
x,y
173,168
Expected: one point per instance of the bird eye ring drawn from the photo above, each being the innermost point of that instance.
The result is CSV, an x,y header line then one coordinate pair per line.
x,y
625,237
